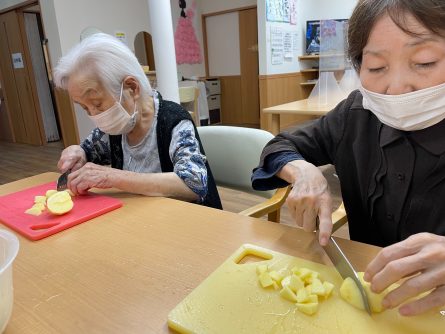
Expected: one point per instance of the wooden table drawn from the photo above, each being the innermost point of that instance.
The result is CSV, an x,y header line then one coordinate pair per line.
x,y
124,271
300,108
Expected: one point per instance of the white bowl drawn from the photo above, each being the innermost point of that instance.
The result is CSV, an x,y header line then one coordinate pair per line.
x,y
9,246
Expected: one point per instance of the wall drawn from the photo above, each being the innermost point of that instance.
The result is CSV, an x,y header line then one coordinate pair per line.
x,y
212,6
8,4
306,10
274,79
68,18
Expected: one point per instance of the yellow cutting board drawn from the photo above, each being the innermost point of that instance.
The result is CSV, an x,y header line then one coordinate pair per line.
x,y
231,301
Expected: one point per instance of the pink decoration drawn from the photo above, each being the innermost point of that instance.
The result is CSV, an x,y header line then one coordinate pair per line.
x,y
188,50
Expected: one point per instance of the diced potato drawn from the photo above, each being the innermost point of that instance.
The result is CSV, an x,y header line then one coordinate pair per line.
x,y
275,286
350,292
313,275
262,268
328,288
312,299
34,211
309,289
374,299
40,199
265,279
59,203
302,272
50,192
317,287
296,283
276,276
40,206
302,295
309,308
288,294
285,281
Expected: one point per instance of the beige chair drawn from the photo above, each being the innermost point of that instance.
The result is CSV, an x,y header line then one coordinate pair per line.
x,y
188,95
232,153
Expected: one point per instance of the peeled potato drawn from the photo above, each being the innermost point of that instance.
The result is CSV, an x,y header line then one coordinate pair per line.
x,y
34,211
49,193
59,203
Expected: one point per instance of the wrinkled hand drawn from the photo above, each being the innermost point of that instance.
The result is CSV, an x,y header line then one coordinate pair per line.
x,y
422,255
73,157
90,176
309,198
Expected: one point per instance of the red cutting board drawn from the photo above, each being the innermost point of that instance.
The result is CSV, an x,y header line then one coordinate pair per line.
x,y
86,207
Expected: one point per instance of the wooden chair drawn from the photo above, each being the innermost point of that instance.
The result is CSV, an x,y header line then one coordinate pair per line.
x,y
188,95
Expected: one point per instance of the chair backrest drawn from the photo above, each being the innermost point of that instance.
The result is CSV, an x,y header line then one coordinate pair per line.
x,y
232,153
187,95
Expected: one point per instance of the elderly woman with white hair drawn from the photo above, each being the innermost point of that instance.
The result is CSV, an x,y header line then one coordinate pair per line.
x,y
151,144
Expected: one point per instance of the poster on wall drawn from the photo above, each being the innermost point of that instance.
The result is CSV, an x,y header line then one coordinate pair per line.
x,y
122,36
276,45
287,46
187,47
281,11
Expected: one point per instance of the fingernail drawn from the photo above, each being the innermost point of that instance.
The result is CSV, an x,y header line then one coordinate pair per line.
x,y
367,277
386,303
324,241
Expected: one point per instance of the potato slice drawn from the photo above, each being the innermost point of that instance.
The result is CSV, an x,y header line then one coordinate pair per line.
x,y
328,288
262,268
288,294
34,211
302,296
309,308
295,283
59,203
265,279
350,292
49,193
40,199
374,299
276,276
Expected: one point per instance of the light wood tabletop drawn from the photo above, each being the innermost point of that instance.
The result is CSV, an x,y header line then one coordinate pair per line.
x,y
300,108
124,271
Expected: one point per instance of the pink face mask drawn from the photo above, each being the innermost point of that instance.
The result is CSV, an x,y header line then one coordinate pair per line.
x,y
116,120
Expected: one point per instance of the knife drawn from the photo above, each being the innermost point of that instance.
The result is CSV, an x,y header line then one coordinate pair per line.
x,y
62,181
343,266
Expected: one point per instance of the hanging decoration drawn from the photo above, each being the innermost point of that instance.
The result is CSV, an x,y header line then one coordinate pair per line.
x,y
188,49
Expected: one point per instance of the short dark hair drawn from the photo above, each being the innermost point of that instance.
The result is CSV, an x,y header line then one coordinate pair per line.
x,y
430,13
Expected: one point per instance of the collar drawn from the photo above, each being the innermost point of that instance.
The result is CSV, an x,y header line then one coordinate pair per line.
x,y
431,139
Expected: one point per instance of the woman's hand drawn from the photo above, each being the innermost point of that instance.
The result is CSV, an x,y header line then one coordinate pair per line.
x,y
420,257
90,176
309,197
73,157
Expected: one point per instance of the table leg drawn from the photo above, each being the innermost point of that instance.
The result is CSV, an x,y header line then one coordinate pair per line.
x,y
275,124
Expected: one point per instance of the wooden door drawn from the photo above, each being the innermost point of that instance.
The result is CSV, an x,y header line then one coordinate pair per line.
x,y
248,30
17,89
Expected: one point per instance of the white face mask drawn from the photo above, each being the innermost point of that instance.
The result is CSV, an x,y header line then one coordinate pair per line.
x,y
115,120
408,112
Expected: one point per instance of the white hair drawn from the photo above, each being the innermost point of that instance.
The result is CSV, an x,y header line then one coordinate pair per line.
x,y
103,58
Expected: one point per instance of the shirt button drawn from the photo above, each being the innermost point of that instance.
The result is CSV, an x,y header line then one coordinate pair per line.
x,y
401,177
390,216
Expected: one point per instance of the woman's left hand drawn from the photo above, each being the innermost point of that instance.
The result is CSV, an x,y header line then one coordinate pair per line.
x,y
420,257
90,176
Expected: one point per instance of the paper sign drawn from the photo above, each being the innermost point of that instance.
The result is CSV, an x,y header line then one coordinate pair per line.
x,y
276,45
122,36
17,60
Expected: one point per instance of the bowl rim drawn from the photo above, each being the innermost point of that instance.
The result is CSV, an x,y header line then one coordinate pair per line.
x,y
11,239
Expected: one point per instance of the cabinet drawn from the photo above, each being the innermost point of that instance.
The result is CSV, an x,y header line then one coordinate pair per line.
x,y
213,88
309,71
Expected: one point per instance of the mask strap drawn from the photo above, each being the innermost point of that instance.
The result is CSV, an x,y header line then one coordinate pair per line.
x,y
122,90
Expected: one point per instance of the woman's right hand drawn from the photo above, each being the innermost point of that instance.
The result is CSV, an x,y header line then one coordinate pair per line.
x,y
309,198
73,157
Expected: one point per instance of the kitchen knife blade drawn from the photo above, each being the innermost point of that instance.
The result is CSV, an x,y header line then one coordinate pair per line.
x,y
345,268
62,181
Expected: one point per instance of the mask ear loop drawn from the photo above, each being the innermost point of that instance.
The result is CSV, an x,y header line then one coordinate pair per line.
x,y
122,90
